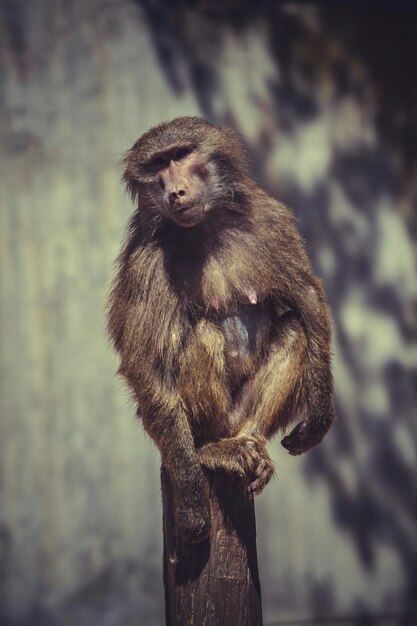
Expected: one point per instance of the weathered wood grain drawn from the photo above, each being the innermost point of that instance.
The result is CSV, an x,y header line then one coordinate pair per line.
x,y
217,581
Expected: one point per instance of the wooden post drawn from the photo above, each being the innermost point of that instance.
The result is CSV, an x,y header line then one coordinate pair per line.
x,y
216,582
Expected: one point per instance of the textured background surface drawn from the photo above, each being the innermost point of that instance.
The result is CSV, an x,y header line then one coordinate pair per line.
x,y
327,103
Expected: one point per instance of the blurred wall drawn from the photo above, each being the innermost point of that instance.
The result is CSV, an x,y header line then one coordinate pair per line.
x,y
326,100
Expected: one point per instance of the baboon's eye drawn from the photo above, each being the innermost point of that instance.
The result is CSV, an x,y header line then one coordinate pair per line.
x,y
181,153
158,163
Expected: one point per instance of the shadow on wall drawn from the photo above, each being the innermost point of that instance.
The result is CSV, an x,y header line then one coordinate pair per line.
x,y
342,106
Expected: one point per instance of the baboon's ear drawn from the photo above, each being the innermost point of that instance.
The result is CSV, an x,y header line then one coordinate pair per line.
x,y
130,174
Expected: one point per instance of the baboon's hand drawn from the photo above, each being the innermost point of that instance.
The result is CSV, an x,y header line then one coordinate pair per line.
x,y
244,455
305,435
193,512
260,468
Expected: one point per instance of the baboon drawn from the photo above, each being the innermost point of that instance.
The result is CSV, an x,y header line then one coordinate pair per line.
x,y
222,328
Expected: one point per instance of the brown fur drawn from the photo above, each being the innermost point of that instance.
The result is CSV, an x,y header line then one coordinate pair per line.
x,y
214,373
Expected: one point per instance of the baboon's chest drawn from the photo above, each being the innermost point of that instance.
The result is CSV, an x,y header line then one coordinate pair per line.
x,y
245,331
